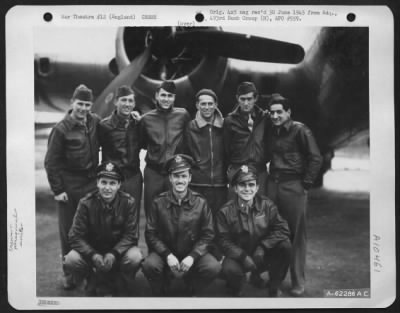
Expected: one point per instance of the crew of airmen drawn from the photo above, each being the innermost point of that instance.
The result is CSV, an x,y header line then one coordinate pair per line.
x,y
213,208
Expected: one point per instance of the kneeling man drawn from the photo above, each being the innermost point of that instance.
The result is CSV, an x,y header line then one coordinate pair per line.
x,y
104,235
252,235
178,232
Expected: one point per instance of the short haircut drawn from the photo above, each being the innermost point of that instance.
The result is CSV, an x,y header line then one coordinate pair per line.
x,y
276,98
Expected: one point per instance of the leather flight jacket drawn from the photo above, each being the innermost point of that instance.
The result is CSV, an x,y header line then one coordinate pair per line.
x,y
183,230
161,134
102,228
73,147
240,232
242,145
204,142
119,139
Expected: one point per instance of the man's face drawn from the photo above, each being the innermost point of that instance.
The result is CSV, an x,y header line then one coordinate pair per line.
x,y
165,99
247,102
180,181
125,105
206,106
247,190
80,108
278,114
108,188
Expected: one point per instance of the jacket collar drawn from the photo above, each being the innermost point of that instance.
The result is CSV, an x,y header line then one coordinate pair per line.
x,y
256,204
286,126
257,112
108,206
189,198
118,121
217,121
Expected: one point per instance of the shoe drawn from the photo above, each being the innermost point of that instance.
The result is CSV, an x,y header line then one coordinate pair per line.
x,y
68,282
297,291
234,291
256,280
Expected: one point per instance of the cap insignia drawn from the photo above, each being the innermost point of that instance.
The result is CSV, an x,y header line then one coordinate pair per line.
x,y
109,167
178,159
244,168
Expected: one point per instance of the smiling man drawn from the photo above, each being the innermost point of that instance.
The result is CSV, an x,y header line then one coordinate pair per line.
x,y
178,232
70,163
253,236
161,134
104,236
119,139
295,163
244,134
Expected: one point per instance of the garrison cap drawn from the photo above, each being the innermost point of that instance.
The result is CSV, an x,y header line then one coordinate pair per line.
x,y
109,170
83,93
246,87
179,163
123,91
243,174
168,85
207,92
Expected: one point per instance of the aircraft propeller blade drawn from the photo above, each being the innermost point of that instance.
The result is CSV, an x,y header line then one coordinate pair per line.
x,y
242,46
104,102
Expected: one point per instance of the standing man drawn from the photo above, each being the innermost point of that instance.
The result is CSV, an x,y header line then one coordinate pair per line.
x,y
161,134
253,236
178,231
105,234
70,163
204,143
295,163
119,139
244,134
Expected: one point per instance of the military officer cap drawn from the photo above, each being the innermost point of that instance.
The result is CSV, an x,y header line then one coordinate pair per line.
x,y
179,163
83,93
243,174
109,170
123,91
246,87
168,85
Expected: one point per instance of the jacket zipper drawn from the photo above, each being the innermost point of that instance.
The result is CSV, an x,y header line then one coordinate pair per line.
x,y
212,155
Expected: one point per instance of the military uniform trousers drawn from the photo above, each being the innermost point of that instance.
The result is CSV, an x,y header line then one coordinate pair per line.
x,y
203,271
291,199
154,184
76,187
127,266
276,262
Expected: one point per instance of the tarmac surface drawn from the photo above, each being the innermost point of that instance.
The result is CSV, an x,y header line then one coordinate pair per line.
x,y
338,253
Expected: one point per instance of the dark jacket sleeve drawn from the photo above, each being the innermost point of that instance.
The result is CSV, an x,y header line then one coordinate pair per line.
x,y
313,156
153,240
130,236
224,239
142,133
54,160
227,135
206,234
278,229
78,234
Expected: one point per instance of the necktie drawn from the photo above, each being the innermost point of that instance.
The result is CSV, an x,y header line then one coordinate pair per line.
x,y
250,123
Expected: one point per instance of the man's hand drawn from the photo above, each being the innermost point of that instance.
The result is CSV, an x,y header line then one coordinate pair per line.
x,y
98,261
62,197
173,262
258,256
249,264
109,260
186,263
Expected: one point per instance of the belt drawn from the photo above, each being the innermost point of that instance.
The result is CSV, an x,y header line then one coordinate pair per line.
x,y
283,177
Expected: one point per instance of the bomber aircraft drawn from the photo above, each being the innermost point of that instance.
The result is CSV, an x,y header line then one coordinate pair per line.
x,y
325,76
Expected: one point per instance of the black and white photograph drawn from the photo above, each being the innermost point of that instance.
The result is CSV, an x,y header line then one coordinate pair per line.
x,y
224,160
